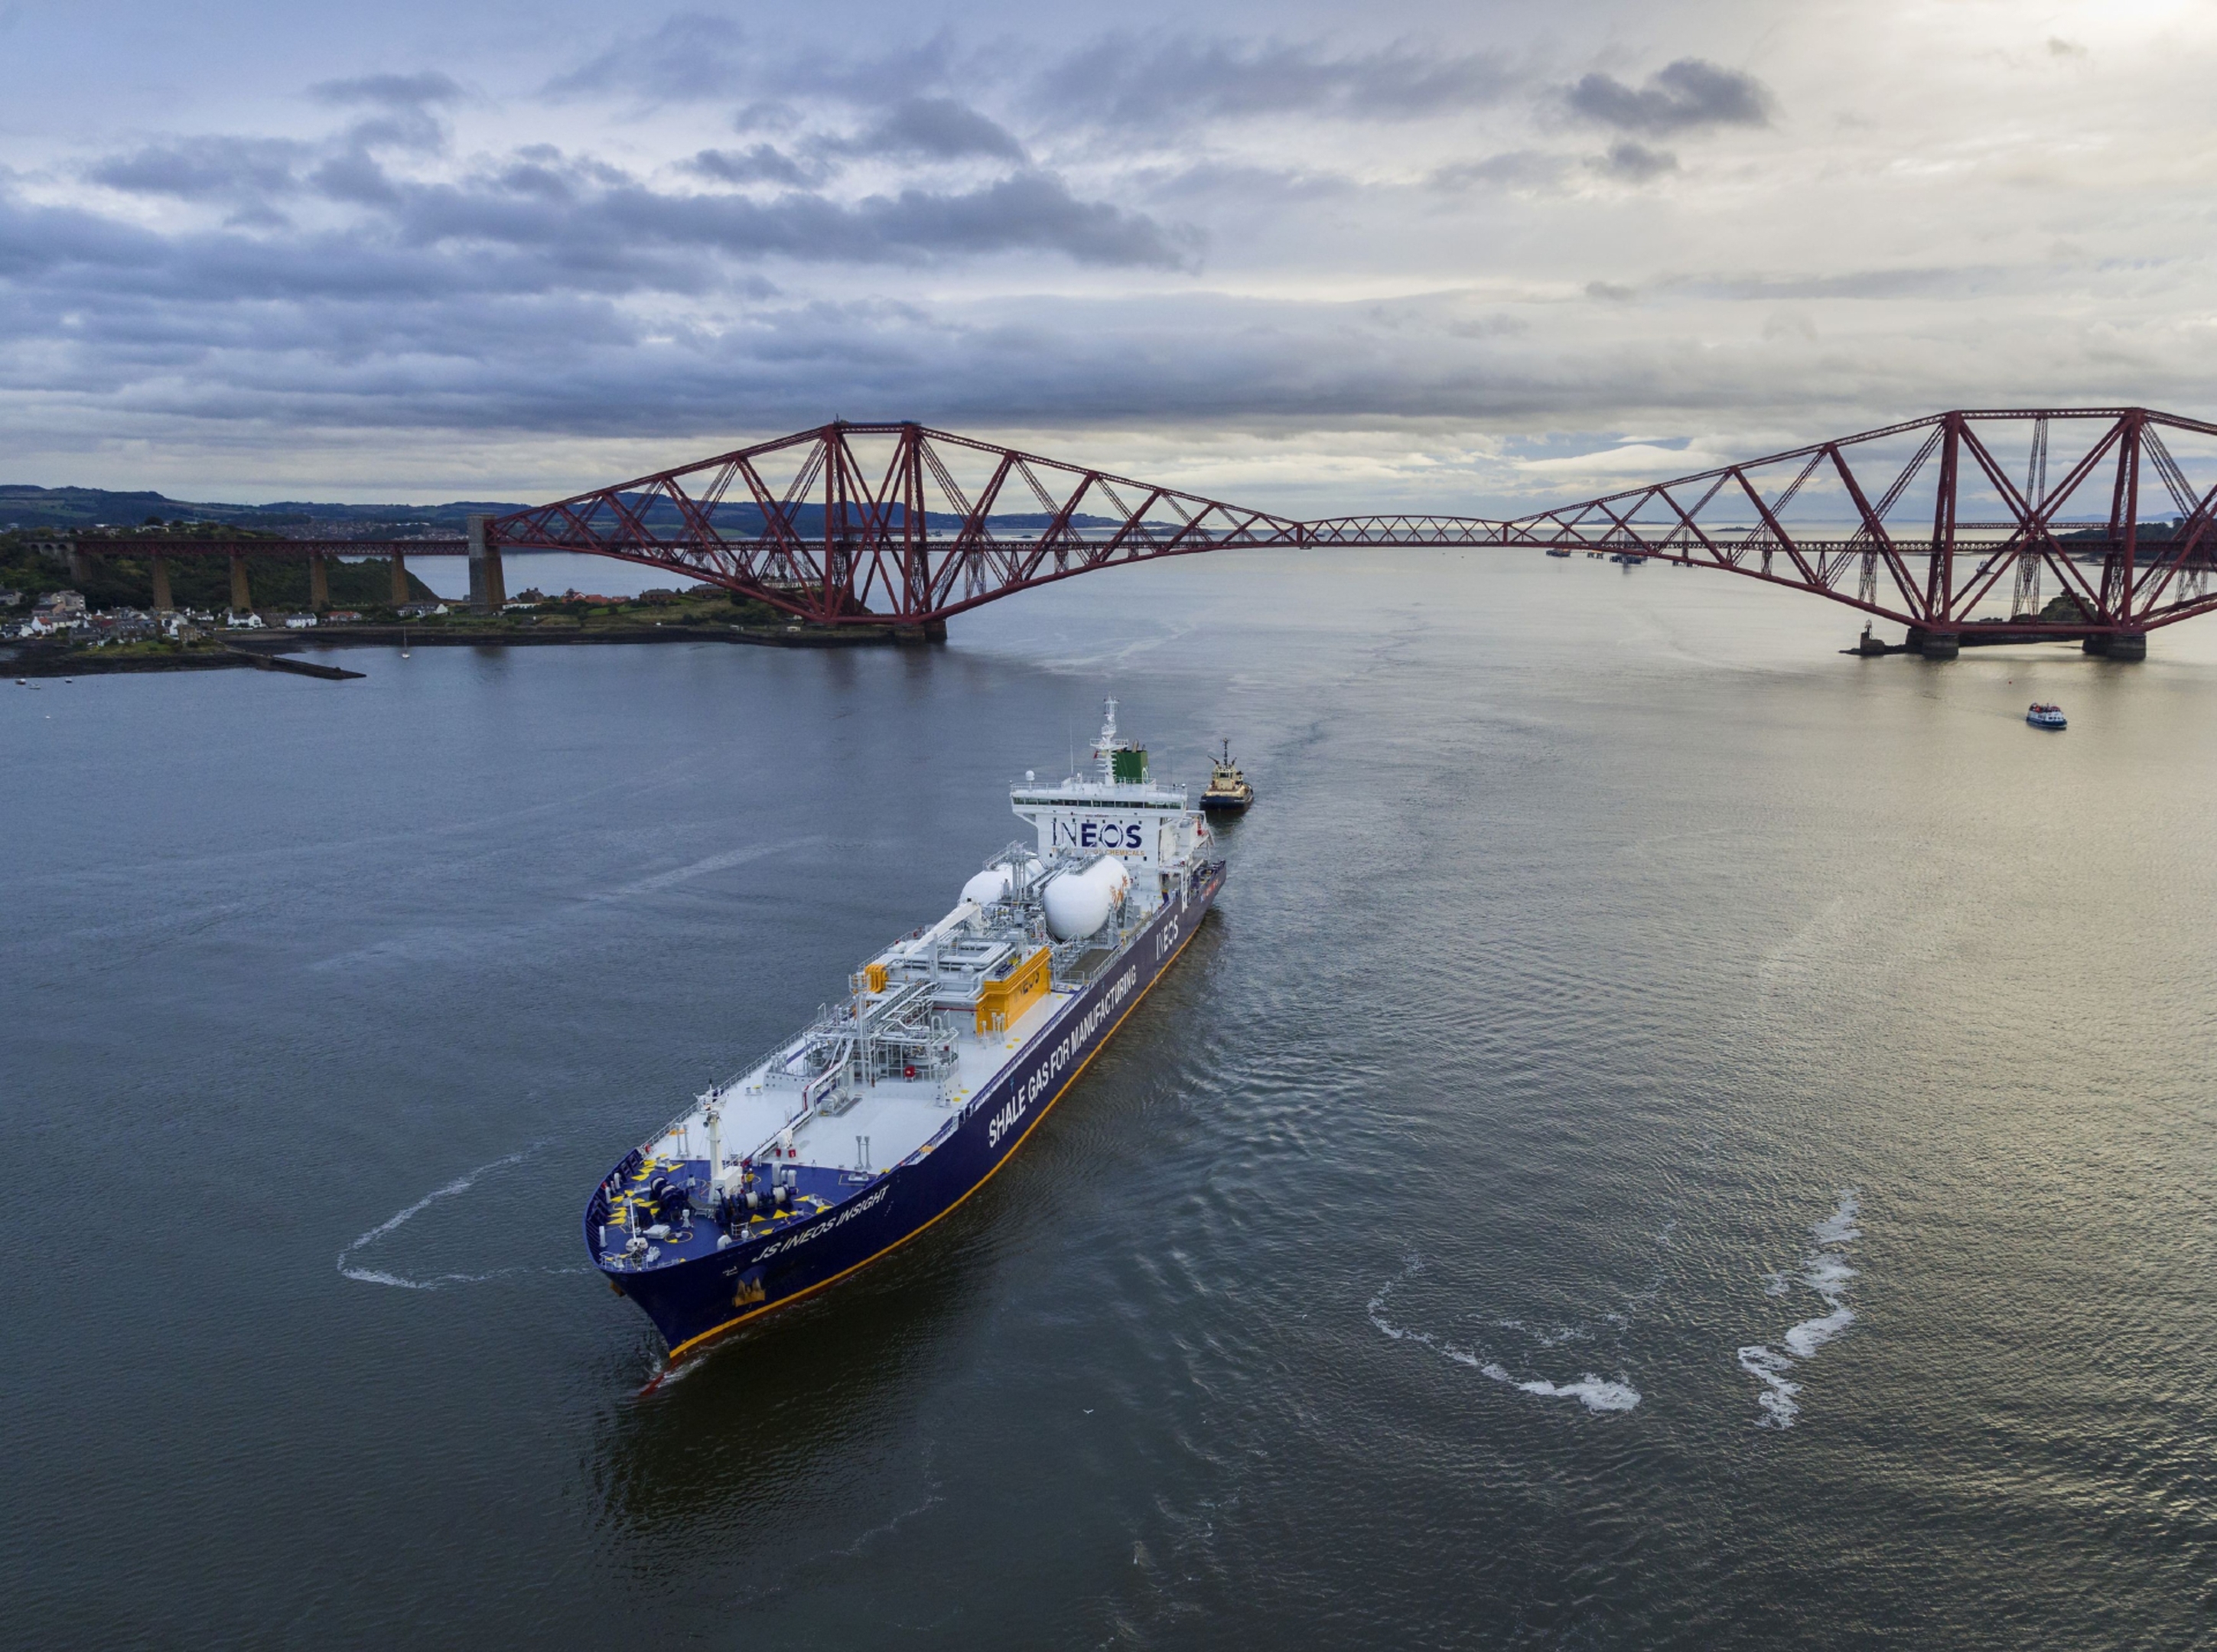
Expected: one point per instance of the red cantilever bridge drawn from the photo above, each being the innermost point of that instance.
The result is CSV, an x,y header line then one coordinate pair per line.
x,y
1948,524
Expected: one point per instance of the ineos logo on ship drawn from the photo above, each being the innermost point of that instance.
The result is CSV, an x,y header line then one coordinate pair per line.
x,y
1097,834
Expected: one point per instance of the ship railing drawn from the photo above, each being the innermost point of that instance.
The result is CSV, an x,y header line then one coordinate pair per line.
x,y
808,1099
777,1066
783,1055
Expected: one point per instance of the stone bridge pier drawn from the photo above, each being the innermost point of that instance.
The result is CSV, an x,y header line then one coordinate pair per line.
x,y
488,590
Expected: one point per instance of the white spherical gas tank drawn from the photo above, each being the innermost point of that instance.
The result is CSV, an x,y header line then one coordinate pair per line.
x,y
1078,902
988,886
994,882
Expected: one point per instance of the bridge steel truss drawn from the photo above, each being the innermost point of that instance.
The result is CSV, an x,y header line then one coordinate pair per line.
x,y
899,539
890,537
2122,579
868,524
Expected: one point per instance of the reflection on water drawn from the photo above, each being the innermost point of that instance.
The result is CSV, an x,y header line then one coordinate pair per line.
x,y
1631,1028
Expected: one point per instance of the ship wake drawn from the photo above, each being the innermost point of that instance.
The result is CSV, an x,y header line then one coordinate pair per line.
x,y
1825,1270
1594,1392
353,1268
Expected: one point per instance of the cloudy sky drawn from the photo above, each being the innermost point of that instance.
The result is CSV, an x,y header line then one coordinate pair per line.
x,y
1311,258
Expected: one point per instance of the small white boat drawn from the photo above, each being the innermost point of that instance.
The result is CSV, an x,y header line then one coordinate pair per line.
x,y
2044,716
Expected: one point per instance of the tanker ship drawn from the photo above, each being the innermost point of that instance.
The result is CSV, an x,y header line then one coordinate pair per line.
x,y
896,1103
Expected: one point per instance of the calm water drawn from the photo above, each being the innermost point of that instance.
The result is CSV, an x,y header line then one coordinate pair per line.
x,y
1675,1137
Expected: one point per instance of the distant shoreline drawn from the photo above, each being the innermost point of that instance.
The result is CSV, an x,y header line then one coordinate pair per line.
x,y
238,651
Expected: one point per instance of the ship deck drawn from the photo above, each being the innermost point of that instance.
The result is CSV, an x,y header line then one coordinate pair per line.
x,y
837,1151
895,1118
818,1188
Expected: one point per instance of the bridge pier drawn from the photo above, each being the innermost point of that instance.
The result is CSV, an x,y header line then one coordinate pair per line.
x,y
488,591
242,600
931,630
1935,644
319,583
161,570
399,579
2127,645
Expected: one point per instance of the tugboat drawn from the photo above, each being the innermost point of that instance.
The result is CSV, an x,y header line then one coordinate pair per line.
x,y
1228,792
2044,716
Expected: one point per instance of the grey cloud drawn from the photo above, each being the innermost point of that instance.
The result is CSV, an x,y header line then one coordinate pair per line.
x,y
401,127
1682,96
392,91
1247,188
762,163
602,220
931,67
1926,282
1123,81
504,300
1118,79
544,291
581,368
182,335
81,261
35,242
1611,293
1519,168
694,58
1032,210
1632,163
535,179
356,178
544,170
205,168
934,128
765,114
691,57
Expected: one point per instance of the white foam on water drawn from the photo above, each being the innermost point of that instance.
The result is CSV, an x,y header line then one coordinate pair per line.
x,y
460,1184
1826,1272
377,1276
1590,1391
1840,1227
1777,1401
372,1276
1560,1334
1594,1393
1812,1334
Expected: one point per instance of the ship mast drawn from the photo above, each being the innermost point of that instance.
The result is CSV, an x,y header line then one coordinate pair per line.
x,y
1105,748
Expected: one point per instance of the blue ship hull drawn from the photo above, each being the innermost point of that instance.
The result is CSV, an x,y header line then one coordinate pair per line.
x,y
696,1298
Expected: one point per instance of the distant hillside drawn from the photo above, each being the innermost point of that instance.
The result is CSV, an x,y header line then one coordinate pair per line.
x,y
49,508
